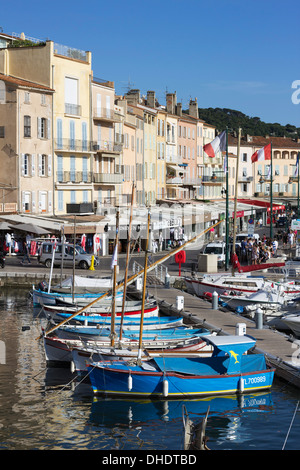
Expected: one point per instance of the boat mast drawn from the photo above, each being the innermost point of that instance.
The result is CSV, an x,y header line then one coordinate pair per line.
x,y
113,312
144,291
127,261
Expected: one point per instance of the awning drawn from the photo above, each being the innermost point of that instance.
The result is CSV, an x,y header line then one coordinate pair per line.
x,y
266,204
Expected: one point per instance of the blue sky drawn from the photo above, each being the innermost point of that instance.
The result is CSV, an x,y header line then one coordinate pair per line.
x,y
226,53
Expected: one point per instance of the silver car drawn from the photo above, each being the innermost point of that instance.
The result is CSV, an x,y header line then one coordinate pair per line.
x,y
65,251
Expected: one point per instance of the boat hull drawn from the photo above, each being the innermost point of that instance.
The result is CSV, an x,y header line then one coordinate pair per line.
x,y
114,381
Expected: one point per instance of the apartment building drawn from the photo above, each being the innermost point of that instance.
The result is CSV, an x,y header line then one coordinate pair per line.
x,y
255,178
67,71
25,145
107,139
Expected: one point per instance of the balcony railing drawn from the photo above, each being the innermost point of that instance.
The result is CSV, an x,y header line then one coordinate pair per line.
x,y
174,159
105,114
174,180
192,181
73,109
209,179
108,178
75,145
74,177
107,146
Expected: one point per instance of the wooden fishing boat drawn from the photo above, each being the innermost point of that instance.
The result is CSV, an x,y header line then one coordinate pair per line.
x,y
129,322
131,309
227,371
59,351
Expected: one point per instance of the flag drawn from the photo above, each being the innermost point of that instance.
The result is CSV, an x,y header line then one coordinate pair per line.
x,y
114,260
217,145
262,154
297,166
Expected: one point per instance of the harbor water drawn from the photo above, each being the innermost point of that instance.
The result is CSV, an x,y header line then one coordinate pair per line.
x,y
44,408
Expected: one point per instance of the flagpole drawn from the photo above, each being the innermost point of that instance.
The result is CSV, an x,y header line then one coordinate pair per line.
x,y
298,205
236,194
227,208
271,196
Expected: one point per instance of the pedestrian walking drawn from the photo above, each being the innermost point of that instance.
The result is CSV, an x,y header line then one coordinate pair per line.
x,y
26,254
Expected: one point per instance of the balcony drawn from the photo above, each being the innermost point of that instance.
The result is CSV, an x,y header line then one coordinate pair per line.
x,y
74,177
173,160
106,146
176,180
106,114
108,178
73,145
192,181
245,179
72,109
214,180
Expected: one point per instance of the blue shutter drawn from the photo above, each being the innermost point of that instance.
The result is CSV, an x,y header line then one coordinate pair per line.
x,y
60,200
72,135
85,169
60,173
84,136
72,168
59,142
73,197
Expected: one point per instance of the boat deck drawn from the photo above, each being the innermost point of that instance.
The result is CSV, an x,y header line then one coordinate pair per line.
x,y
280,350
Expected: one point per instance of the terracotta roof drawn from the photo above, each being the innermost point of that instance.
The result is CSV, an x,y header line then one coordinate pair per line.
x,y
261,141
21,82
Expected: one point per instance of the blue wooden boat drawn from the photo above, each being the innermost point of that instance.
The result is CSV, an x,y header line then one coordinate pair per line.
x,y
128,323
227,371
102,333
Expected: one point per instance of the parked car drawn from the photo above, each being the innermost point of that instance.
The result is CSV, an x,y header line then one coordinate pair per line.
x,y
83,260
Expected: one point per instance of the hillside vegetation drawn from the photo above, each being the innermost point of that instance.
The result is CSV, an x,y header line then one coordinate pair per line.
x,y
224,117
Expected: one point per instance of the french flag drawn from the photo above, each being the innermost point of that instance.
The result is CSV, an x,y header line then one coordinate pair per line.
x,y
217,145
262,154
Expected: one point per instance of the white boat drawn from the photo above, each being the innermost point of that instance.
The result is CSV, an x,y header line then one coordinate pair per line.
x,y
240,283
58,350
293,323
262,298
132,310
86,289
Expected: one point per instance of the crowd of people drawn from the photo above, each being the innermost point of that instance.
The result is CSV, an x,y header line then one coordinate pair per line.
x,y
253,251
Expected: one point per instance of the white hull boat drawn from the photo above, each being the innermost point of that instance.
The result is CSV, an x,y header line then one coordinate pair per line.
x,y
132,311
240,283
58,350
262,298
293,323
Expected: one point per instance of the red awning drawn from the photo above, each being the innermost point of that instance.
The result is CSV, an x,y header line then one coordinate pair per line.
x,y
266,204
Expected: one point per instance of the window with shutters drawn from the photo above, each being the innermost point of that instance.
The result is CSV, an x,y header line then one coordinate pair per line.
x,y
43,165
27,126
26,164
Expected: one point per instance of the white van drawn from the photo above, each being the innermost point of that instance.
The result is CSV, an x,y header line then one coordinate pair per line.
x,y
216,248
82,259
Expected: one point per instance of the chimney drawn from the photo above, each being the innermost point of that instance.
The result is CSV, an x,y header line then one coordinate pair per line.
x,y
171,102
133,97
151,99
193,108
179,109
